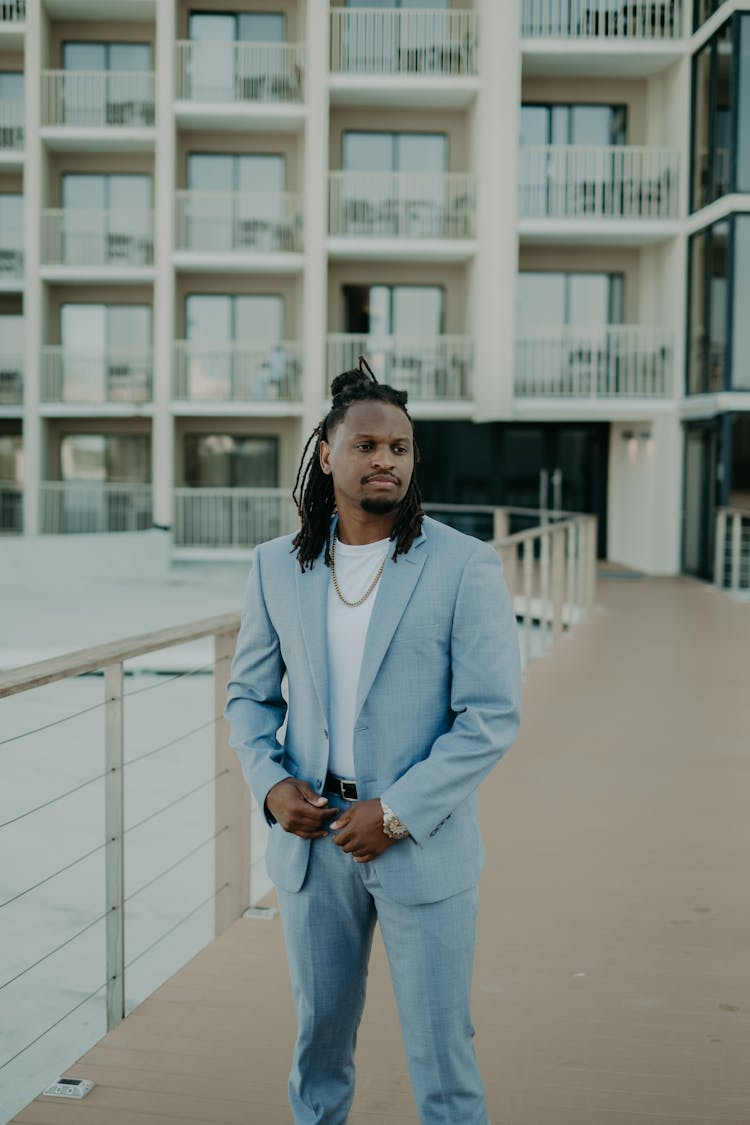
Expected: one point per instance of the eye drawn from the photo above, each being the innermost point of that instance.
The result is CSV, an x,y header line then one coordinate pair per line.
x,y
401,448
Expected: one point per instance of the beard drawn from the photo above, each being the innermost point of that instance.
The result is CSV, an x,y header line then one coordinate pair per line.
x,y
379,507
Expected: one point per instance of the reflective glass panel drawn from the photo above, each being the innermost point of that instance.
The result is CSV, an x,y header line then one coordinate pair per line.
x,y
741,302
739,481
261,27
743,107
718,295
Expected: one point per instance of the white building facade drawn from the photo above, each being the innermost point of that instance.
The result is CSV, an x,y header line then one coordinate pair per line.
x,y
534,216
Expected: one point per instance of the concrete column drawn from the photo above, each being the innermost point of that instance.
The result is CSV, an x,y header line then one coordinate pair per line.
x,y
33,297
314,188
162,456
491,314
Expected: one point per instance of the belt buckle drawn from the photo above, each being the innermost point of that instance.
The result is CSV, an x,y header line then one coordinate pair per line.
x,y
348,790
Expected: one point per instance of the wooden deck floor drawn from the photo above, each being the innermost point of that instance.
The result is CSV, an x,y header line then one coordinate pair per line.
x,y
612,983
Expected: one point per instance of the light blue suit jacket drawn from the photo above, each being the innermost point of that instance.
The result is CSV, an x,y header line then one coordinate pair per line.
x,y
437,706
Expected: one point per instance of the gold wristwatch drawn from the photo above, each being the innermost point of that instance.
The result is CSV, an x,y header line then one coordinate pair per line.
x,y
394,828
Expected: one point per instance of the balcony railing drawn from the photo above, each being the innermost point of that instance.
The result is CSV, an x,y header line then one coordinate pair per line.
x,y
11,255
402,204
601,182
401,42
238,372
11,507
430,368
732,549
601,19
98,238
11,124
231,517
225,222
12,11
91,375
88,507
11,380
98,98
240,72
615,361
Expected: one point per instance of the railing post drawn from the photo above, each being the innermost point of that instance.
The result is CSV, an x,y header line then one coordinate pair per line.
x,y
231,804
500,524
591,564
545,606
527,563
115,865
720,547
736,546
558,581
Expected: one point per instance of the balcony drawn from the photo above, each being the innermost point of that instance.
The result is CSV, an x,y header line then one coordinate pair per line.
x,y
403,57
436,371
626,38
11,260
12,130
402,215
94,377
11,381
610,362
98,110
11,507
236,374
95,245
12,24
240,85
231,518
239,231
624,192
93,507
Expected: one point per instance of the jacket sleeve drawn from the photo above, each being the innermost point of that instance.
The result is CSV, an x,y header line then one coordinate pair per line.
x,y
256,708
485,700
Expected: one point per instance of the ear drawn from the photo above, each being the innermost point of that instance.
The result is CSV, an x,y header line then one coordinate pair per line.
x,y
325,457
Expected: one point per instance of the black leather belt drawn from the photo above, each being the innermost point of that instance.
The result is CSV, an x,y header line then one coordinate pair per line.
x,y
344,789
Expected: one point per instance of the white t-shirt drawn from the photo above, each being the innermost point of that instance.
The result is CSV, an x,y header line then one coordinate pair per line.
x,y
356,567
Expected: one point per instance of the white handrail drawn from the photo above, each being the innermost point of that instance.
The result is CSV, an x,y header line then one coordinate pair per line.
x,y
624,20
83,507
238,221
598,181
11,379
12,123
98,98
11,506
85,237
402,42
240,72
402,204
430,368
732,549
12,12
75,374
602,361
238,371
231,517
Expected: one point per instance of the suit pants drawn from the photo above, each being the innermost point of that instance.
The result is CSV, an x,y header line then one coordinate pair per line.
x,y
328,927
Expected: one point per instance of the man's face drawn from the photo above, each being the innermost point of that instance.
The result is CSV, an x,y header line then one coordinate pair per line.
x,y
370,455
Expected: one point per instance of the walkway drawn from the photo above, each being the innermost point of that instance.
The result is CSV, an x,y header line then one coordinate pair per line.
x,y
612,983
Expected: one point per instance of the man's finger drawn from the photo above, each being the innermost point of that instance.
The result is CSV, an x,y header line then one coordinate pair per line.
x,y
308,794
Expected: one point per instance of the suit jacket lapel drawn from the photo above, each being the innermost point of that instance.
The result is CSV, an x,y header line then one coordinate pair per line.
x,y
394,590
312,602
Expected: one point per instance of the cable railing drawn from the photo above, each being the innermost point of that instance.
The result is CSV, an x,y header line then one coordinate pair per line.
x,y
98,98
598,182
111,238
231,518
732,549
11,507
134,837
436,43
240,72
221,222
11,380
238,371
82,507
12,111
621,20
430,368
95,375
12,12
611,361
402,204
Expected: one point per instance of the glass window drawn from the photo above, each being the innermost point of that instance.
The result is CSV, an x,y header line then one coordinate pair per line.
x,y
230,461
713,100
11,458
394,152
387,310
703,10
565,124
114,458
11,86
428,4
261,27
709,310
697,350
743,107
236,172
95,192
586,299
739,479
107,56
741,305
214,324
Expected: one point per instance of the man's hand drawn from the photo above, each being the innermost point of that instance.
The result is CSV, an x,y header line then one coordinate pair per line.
x,y
359,830
299,809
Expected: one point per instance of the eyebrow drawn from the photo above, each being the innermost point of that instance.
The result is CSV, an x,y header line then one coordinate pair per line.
x,y
376,437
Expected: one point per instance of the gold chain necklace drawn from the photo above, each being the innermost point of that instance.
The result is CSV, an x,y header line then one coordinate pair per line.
x,y
370,588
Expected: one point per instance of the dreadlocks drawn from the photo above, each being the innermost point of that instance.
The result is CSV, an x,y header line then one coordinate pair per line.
x,y
313,489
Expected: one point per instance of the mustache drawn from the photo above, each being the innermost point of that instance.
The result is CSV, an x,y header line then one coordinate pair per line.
x,y
380,476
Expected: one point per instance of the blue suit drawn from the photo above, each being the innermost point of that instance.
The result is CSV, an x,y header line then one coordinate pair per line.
x,y
437,707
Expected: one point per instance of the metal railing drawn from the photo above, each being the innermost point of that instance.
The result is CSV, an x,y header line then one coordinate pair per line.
x,y
75,507
240,72
111,848
92,375
12,11
238,371
598,182
402,204
11,380
11,254
12,117
78,237
231,517
732,549
601,19
221,222
430,368
611,361
401,42
11,506
98,98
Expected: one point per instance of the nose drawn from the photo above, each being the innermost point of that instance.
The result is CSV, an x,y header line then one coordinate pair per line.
x,y
382,457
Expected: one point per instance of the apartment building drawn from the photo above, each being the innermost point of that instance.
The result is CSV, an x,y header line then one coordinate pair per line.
x,y
533,215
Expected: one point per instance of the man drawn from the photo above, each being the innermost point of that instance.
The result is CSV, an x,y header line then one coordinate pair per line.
x,y
400,649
